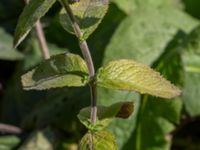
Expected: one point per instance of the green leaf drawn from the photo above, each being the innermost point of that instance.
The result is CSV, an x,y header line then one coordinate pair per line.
x,y
127,6
105,114
88,14
7,52
130,6
8,142
144,35
102,140
59,71
191,93
30,15
191,62
130,75
155,121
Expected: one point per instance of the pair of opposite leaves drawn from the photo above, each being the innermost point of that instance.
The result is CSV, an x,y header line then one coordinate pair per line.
x,y
71,70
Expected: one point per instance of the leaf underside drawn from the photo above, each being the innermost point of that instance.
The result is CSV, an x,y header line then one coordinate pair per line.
x,y
130,75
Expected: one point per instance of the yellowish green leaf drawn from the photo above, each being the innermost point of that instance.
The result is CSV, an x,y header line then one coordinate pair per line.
x,y
130,75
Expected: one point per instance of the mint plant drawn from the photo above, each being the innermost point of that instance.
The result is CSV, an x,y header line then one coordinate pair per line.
x,y
81,18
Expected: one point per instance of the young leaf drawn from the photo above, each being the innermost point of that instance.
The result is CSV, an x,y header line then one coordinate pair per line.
x,y
130,75
100,140
31,13
106,114
7,52
145,33
58,71
88,13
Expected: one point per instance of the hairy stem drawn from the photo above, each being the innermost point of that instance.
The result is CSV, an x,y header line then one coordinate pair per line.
x,y
87,56
41,38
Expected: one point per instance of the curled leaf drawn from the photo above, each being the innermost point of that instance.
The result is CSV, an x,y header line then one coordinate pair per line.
x,y
130,75
58,71
106,114
125,110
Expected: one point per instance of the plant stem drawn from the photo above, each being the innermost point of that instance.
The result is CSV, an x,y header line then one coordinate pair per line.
x,y
41,38
87,56
5,128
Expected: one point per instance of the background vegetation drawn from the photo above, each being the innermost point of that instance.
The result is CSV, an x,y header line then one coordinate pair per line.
x,y
164,34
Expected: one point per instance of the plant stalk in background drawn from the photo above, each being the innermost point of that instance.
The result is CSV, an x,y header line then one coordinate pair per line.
x,y
41,38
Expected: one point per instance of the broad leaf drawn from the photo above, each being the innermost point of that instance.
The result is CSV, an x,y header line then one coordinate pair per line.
x,y
145,34
59,71
105,114
191,62
88,13
126,5
130,75
7,52
30,15
8,142
100,140
129,6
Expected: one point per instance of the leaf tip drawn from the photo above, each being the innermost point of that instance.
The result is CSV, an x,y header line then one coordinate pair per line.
x,y
18,40
178,92
174,92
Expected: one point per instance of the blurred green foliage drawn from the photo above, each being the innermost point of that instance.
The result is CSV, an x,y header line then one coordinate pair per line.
x,y
161,33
